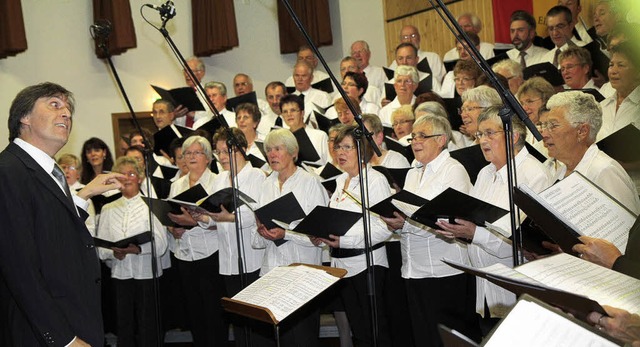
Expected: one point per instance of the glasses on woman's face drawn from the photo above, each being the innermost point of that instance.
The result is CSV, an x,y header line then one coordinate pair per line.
x,y
529,102
462,110
193,154
345,148
421,137
401,122
489,134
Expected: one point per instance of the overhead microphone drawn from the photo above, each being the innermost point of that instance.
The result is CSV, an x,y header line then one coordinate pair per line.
x,y
167,10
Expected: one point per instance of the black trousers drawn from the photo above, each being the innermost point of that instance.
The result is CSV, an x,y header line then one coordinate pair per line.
x,y
136,313
395,299
203,289
447,300
355,298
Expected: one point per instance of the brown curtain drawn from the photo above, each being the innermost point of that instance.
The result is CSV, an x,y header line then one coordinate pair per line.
x,y
314,16
214,26
13,39
123,34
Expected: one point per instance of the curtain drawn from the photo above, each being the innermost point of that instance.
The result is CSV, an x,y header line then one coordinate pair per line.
x,y
314,16
13,39
123,34
502,11
214,26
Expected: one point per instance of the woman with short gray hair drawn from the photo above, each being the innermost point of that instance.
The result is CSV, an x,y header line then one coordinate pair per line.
x,y
473,102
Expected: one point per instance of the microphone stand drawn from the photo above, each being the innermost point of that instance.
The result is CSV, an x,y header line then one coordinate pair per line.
x,y
510,107
167,11
363,178
100,33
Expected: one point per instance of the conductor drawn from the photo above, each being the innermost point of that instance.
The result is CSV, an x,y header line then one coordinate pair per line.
x,y
49,270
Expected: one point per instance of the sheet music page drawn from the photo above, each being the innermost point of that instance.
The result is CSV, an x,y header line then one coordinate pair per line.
x,y
589,210
574,275
406,208
285,289
529,324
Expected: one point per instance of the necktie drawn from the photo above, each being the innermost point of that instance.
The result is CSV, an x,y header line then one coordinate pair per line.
x,y
301,97
555,57
188,121
59,175
523,64
279,122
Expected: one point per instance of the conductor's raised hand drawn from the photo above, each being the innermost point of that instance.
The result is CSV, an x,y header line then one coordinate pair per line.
x,y
102,183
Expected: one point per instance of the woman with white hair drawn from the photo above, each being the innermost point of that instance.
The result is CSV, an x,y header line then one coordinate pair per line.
x,y
284,247
405,84
196,251
486,247
402,122
437,293
389,158
569,132
474,101
457,140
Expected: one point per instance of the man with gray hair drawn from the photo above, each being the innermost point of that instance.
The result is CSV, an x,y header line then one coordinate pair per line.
x,y
471,22
217,93
411,34
361,53
243,84
523,30
184,116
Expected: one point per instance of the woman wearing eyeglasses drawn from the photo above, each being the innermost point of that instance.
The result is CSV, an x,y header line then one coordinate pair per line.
x,y
196,251
348,252
131,267
474,101
438,294
488,247
533,95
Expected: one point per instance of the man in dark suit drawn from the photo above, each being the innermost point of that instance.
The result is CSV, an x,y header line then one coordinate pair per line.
x,y
49,271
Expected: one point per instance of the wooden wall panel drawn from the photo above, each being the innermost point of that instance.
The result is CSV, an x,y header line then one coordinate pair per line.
x,y
435,35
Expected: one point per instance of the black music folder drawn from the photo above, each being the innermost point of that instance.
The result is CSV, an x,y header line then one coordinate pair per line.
x,y
423,66
255,161
535,153
137,240
322,221
306,151
388,72
250,98
385,208
452,204
161,208
101,199
184,96
546,71
330,171
285,209
211,126
623,145
450,64
163,137
399,147
596,94
599,60
212,202
325,123
472,159
393,175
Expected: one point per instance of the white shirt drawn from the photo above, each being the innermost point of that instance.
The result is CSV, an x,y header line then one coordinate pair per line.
x,y
486,51
354,238
422,249
488,248
124,218
534,55
313,97
548,57
582,30
385,112
394,160
376,76
229,116
298,248
589,85
250,182
267,121
607,174
614,120
607,90
435,63
196,243
318,75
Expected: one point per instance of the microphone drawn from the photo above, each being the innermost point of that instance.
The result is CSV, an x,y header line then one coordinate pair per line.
x,y
101,29
167,10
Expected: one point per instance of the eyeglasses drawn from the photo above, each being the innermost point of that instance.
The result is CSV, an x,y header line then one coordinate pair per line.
x,y
241,84
421,137
490,134
529,102
551,126
462,110
400,122
404,82
193,154
67,167
568,67
130,174
220,151
407,37
345,148
348,84
557,27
